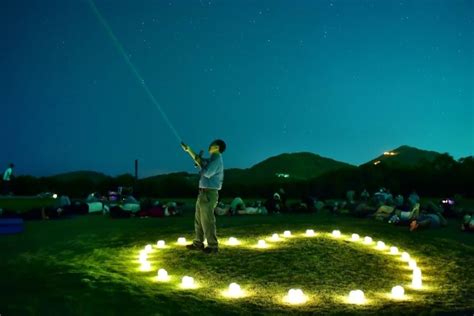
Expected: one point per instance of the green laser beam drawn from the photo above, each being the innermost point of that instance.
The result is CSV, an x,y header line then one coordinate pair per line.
x,y
134,69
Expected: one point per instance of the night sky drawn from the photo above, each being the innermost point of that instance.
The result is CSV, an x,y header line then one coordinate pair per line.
x,y
344,79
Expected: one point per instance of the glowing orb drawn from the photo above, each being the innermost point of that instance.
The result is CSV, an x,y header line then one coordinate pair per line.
x,y
286,233
367,240
405,256
55,196
163,275
296,296
148,248
310,233
356,297
146,266
417,283
416,280
234,291
412,264
182,241
336,233
355,237
398,292
261,244
417,273
393,250
187,282
380,245
275,237
143,257
233,241
160,244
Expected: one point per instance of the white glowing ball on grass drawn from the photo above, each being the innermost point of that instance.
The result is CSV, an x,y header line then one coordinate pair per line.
x,y
234,290
261,243
148,248
380,245
161,244
398,292
416,282
310,233
143,257
163,275
356,297
182,241
233,241
367,240
275,237
145,266
355,237
296,296
412,264
336,233
405,256
286,233
55,196
187,282
417,273
394,250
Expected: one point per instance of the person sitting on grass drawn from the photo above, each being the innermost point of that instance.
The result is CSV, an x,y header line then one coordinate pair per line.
x,y
413,198
383,213
222,209
254,209
236,205
365,195
171,209
428,220
401,217
274,205
468,223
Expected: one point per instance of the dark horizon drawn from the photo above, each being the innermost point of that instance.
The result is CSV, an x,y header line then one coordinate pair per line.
x,y
141,176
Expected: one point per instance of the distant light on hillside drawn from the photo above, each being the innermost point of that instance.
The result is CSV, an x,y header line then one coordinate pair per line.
x,y
282,175
389,153
377,162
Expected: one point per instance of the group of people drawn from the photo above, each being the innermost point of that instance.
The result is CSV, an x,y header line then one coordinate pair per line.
x,y
410,211
274,205
382,205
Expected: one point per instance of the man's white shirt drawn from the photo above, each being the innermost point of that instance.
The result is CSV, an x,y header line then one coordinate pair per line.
x,y
8,174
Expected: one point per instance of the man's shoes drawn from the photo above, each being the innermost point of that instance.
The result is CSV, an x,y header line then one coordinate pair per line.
x,y
194,247
210,250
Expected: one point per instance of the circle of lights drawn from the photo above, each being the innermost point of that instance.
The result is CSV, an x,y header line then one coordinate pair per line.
x,y
294,296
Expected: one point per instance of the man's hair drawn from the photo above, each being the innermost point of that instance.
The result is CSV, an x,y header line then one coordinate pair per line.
x,y
221,144
12,165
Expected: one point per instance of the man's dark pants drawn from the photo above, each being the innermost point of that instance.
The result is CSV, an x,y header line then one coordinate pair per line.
x,y
205,220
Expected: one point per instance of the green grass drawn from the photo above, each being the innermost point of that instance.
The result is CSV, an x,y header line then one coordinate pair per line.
x,y
88,265
22,204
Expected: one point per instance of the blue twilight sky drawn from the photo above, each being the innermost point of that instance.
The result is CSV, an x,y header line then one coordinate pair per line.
x,y
344,79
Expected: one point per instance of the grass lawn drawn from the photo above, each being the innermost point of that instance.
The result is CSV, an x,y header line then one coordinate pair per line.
x,y
88,265
22,204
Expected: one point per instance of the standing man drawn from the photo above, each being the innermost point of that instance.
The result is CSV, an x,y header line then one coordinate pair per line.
x,y
7,177
212,177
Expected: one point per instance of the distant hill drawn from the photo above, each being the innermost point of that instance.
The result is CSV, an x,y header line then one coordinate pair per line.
x,y
292,166
93,176
405,156
296,166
